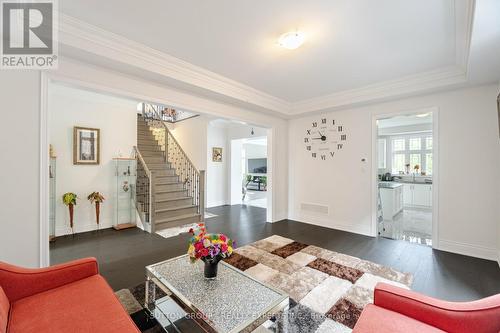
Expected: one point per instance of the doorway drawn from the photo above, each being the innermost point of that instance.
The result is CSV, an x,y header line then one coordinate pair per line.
x,y
405,166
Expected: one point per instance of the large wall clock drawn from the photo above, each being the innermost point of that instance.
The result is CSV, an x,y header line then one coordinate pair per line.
x,y
324,138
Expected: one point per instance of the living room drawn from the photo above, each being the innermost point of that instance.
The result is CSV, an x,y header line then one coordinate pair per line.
x,y
314,80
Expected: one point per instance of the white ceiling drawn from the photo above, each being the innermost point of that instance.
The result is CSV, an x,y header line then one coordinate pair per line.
x,y
356,51
349,44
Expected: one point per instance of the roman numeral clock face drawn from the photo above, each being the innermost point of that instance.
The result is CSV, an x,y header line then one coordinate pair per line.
x,y
324,139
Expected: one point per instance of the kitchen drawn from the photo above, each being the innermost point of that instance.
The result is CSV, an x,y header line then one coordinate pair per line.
x,y
405,156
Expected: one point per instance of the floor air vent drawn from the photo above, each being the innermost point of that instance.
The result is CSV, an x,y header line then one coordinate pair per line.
x,y
314,208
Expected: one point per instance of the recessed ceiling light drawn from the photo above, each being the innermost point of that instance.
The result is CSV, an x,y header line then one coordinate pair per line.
x,y
422,115
291,40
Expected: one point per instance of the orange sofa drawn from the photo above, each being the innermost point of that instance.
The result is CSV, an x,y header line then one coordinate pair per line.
x,y
70,297
396,310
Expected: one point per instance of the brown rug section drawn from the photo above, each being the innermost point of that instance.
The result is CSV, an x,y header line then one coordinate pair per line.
x,y
328,290
240,262
340,271
345,313
289,249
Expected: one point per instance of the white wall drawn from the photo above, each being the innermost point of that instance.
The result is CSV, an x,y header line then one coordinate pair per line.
x,y
255,150
117,120
217,172
192,136
110,81
498,226
469,149
20,167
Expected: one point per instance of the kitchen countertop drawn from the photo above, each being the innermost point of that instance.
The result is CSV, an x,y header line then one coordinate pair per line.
x,y
389,185
401,182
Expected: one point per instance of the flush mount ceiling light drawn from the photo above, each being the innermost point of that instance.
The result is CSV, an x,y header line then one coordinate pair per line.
x,y
291,40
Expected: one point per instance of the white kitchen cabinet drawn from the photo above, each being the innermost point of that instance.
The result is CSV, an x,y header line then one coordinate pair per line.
x,y
392,201
418,195
407,194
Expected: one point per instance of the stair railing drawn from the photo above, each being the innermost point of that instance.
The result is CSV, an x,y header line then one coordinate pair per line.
x,y
193,179
145,194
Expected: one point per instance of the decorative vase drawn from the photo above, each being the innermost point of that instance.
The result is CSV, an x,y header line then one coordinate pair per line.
x,y
210,270
97,212
70,206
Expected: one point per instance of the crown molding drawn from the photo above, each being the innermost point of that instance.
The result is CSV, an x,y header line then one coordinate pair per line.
x,y
388,89
86,37
81,35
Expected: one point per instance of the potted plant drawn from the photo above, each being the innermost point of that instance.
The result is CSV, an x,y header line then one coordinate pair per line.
x,y
210,248
69,199
97,198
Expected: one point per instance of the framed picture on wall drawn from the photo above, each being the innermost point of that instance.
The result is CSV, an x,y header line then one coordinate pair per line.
x,y
86,145
216,154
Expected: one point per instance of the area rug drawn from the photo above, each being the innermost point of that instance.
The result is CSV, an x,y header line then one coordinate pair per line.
x,y
176,231
328,290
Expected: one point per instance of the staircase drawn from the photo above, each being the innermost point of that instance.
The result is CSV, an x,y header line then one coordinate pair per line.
x,y
169,188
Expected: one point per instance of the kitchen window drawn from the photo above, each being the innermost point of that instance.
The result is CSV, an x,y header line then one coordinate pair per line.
x,y
413,150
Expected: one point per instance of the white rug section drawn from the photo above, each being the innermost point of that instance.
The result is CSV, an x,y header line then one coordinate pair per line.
x,y
175,231
324,296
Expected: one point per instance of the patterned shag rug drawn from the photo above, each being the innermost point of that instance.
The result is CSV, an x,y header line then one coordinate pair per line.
x,y
328,290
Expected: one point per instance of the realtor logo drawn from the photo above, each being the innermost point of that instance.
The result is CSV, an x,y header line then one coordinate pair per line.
x,y
29,34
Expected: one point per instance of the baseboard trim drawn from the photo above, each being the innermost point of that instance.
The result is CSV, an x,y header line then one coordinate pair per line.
x,y
470,250
216,204
66,230
363,230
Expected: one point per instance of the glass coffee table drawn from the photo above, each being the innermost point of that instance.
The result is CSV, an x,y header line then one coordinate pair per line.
x,y
232,302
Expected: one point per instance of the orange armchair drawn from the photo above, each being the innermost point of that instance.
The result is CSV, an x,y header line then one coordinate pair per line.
x,y
400,310
70,297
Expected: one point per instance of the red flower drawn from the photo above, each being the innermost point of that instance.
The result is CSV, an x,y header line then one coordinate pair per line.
x,y
191,231
204,252
222,237
198,246
224,247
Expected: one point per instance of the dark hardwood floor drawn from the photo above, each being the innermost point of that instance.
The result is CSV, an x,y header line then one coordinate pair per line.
x,y
122,255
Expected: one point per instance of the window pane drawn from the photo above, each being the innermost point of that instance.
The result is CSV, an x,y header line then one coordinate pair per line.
x,y
398,144
415,143
428,142
415,160
398,163
428,163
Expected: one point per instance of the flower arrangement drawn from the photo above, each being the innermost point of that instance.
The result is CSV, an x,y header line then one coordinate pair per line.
x,y
208,247
69,199
97,198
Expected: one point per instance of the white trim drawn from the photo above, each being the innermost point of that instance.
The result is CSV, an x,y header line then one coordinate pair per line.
x,y
216,204
44,172
80,35
435,173
468,249
271,194
404,86
320,222
435,178
65,230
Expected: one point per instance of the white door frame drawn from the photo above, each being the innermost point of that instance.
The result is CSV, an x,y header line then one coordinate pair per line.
x,y
46,79
435,171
